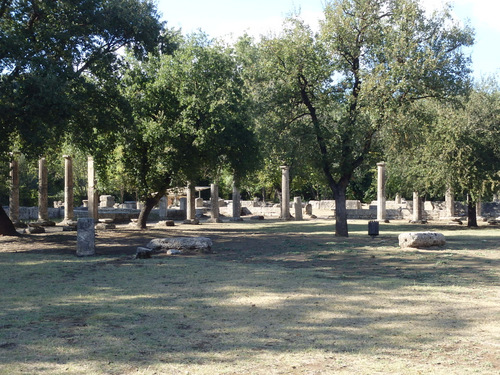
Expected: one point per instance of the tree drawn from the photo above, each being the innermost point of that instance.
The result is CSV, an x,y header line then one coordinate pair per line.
x,y
57,65
457,146
190,119
370,59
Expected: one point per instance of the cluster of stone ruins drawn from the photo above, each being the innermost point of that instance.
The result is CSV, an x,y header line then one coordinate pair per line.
x,y
183,205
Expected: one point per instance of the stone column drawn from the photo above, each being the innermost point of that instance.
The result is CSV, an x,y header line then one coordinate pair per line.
x,y
92,190
236,203
449,203
43,192
285,192
68,190
297,204
183,206
479,209
14,189
163,208
397,200
381,211
190,209
417,207
214,204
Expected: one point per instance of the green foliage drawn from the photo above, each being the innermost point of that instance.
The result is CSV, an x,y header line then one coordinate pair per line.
x,y
190,117
442,144
329,96
57,64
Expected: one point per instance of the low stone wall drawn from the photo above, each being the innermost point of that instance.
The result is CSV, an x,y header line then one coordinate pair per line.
x,y
31,213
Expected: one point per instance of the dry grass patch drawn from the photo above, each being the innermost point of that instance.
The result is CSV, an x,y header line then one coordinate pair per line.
x,y
275,298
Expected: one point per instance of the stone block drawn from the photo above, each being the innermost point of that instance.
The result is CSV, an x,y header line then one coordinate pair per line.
x,y
421,239
165,223
199,244
105,226
143,253
85,237
34,230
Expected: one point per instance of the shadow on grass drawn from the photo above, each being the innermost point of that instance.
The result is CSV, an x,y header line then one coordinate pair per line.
x,y
278,287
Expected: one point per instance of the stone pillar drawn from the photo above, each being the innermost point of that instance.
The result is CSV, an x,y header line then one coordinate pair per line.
x,y
43,192
479,209
285,192
214,204
236,203
397,200
183,206
381,211
14,189
92,190
297,204
449,203
417,207
85,244
191,204
68,190
163,208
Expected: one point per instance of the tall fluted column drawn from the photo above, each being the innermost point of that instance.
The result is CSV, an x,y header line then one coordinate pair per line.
x,y
417,207
68,190
43,191
381,199
285,192
14,189
92,190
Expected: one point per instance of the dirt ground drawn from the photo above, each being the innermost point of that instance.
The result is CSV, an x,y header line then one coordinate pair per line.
x,y
311,245
323,305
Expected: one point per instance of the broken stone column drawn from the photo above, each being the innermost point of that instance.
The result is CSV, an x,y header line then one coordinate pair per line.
x,y
68,191
417,207
14,189
397,200
297,204
381,199
236,203
214,204
191,208
43,192
85,244
449,203
92,191
285,192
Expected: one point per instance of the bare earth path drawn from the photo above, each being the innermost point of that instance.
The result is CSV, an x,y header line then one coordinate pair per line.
x,y
274,298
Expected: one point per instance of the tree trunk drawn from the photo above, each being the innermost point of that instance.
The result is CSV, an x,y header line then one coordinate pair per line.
x,y
149,204
339,193
6,226
471,214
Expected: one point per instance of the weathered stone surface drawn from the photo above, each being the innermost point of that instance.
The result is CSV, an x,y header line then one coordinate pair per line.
x,y
105,226
106,220
257,217
309,209
85,237
245,211
200,244
191,221
34,230
421,239
143,253
174,252
165,223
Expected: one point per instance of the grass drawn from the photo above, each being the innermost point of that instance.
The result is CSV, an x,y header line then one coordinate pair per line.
x,y
275,298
